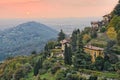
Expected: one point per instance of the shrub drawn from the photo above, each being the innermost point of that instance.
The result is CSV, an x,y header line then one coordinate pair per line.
x,y
60,75
47,64
103,29
42,71
93,78
55,68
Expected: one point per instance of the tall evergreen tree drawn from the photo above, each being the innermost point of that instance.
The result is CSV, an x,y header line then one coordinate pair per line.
x,y
68,55
37,66
74,40
61,35
79,43
77,60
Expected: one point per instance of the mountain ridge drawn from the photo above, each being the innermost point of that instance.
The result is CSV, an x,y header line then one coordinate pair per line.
x,y
25,38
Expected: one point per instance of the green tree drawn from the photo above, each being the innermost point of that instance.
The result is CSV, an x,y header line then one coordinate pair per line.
x,y
80,43
93,33
103,29
50,45
61,35
116,10
34,52
81,59
118,37
37,66
108,66
99,63
68,55
74,40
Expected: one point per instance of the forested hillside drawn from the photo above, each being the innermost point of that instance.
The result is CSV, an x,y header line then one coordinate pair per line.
x,y
25,38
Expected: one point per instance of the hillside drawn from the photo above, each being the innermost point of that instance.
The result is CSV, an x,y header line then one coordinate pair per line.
x,y
25,38
90,54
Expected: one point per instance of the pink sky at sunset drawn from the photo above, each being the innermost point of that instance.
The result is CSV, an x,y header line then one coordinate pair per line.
x,y
55,8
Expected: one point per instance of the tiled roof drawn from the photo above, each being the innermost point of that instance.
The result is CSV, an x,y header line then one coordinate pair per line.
x,y
94,47
94,22
65,41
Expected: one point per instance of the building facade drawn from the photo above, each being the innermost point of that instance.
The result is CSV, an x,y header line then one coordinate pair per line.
x,y
94,51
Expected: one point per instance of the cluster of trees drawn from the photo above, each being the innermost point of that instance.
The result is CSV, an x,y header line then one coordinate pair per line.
x,y
80,58
117,9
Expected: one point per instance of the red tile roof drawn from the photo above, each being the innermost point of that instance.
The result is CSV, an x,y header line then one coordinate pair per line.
x,y
65,41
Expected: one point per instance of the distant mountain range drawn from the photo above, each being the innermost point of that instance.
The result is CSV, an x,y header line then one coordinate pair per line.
x,y
67,24
25,38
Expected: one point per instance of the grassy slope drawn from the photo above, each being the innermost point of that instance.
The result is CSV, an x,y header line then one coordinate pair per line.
x,y
100,41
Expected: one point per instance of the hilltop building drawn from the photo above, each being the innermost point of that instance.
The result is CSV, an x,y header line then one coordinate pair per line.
x,y
100,24
94,51
94,24
63,42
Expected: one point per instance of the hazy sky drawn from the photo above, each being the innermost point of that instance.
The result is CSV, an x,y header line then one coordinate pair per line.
x,y
55,8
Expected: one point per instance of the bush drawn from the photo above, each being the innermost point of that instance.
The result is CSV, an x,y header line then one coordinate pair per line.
x,y
93,78
19,74
75,77
42,71
55,68
60,75
103,29
47,64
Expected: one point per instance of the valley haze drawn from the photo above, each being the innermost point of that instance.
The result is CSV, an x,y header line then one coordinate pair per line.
x,y
67,24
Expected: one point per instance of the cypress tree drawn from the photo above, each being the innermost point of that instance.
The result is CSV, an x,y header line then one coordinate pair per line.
x,y
79,56
67,55
79,43
70,55
38,65
74,40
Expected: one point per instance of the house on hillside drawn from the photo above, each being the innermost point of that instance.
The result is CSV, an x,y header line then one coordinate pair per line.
x,y
59,50
94,24
99,24
107,17
94,51
63,42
